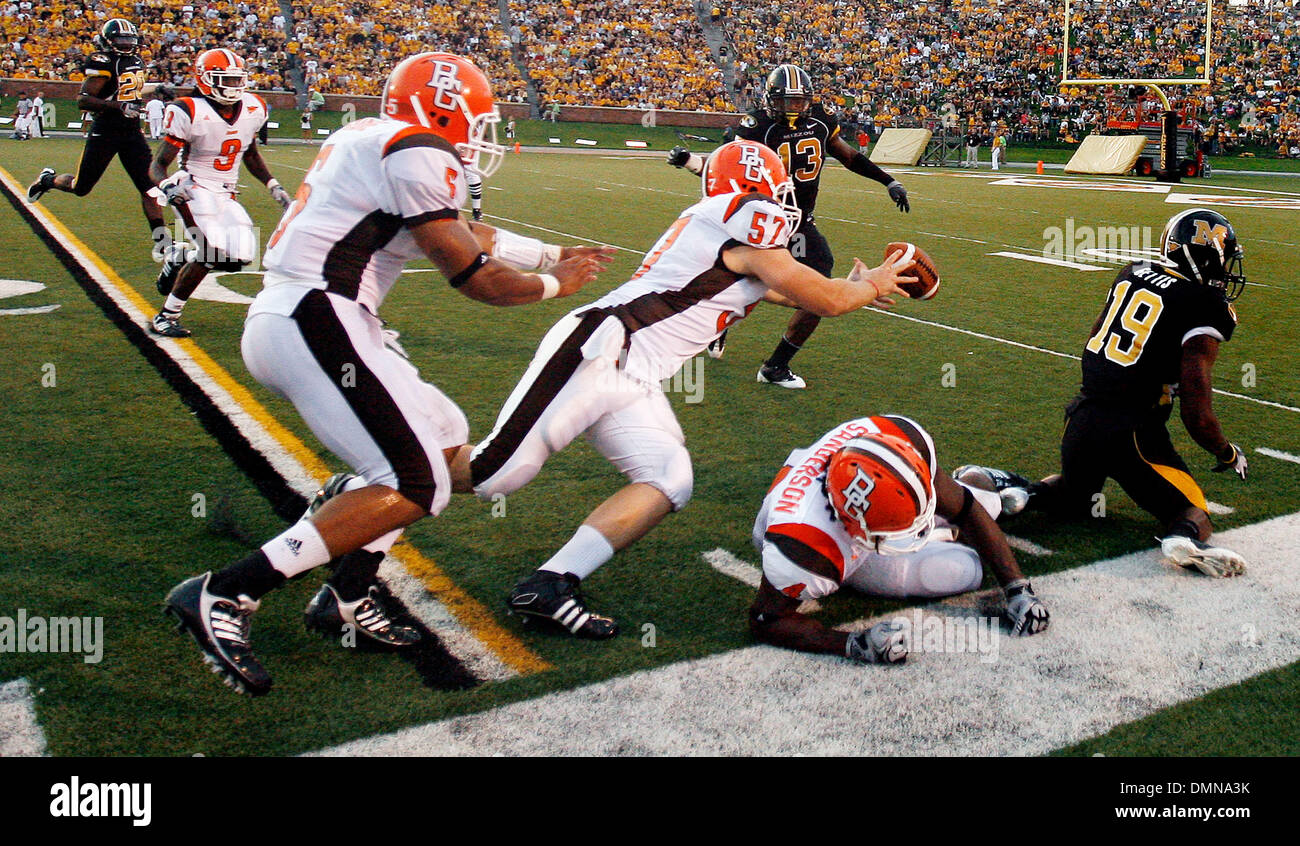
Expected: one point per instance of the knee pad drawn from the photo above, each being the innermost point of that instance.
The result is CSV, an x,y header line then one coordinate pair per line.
x,y
949,569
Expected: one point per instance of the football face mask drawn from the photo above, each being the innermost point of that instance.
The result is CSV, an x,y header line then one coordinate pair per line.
x,y
882,491
747,166
220,76
449,95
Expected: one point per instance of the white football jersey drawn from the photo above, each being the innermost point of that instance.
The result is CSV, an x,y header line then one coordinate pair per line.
x,y
806,551
347,230
212,147
683,296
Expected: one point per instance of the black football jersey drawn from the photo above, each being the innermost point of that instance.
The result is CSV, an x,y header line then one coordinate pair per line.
x,y
1134,357
126,78
803,147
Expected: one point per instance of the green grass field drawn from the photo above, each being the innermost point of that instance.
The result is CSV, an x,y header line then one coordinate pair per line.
x,y
103,465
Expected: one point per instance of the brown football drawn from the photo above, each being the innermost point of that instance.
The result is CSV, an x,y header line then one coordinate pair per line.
x,y
927,275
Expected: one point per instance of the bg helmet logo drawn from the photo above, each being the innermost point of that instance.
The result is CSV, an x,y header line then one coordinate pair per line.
x,y
752,162
857,494
446,84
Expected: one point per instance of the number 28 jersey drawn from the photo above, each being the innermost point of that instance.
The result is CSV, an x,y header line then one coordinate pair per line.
x,y
212,147
1134,357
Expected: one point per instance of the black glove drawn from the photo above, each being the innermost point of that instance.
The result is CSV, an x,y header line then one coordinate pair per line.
x,y
1235,461
898,194
679,156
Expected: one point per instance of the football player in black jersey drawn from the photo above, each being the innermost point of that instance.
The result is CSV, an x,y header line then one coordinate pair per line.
x,y
803,134
1156,338
113,90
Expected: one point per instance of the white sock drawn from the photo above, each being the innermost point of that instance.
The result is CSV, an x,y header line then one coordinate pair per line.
x,y
297,550
174,304
582,555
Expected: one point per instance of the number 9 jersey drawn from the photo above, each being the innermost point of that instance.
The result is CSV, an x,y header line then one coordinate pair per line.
x,y
212,147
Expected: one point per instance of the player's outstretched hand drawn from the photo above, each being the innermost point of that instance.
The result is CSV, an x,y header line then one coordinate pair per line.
x,y
679,156
574,273
886,277
1236,461
1026,614
130,109
898,194
604,254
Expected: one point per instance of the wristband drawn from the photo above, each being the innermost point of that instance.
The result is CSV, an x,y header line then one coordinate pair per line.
x,y
272,184
550,285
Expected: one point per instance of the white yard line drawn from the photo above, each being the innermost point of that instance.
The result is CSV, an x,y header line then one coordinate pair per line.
x,y
1028,546
1073,265
20,733
1129,637
1278,454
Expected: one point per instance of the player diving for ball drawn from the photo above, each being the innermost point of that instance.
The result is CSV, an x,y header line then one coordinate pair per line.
x,y
212,134
381,193
803,134
858,508
1156,339
598,371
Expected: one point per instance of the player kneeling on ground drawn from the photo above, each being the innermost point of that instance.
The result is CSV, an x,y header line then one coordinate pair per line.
x,y
381,193
859,508
1156,339
599,370
212,134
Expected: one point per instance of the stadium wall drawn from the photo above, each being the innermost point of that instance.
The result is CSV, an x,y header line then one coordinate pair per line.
x,y
63,89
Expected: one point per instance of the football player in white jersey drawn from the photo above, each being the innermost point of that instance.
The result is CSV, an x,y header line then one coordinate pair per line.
x,y
598,370
212,134
858,508
382,192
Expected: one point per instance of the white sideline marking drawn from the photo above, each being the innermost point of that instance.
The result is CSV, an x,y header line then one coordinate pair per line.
x,y
564,234
469,650
1129,637
1011,343
1074,265
1028,546
20,733
1081,185
1278,454
729,565
1218,508
1283,203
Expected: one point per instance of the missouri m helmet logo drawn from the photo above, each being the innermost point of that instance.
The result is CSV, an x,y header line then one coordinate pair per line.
x,y
1210,236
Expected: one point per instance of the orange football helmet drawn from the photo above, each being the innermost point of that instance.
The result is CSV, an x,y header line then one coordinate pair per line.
x,y
748,166
882,490
220,75
447,94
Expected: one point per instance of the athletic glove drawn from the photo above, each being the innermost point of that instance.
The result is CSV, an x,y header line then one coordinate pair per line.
x,y
177,188
679,156
280,195
898,194
1235,461
883,643
1026,613
130,109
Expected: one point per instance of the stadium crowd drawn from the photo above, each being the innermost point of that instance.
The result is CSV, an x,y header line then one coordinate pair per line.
x,y
974,64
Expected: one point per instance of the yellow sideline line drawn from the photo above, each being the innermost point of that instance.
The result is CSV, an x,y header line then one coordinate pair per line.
x,y
467,610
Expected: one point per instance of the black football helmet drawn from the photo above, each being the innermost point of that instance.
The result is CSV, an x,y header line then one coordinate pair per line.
x,y
1201,245
118,36
789,92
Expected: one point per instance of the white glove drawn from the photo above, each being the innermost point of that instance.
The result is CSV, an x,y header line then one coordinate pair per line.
x,y
1236,462
178,188
1026,613
130,109
883,643
280,195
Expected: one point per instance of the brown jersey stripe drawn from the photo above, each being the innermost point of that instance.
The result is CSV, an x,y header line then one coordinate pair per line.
x,y
347,259
418,136
649,309
805,549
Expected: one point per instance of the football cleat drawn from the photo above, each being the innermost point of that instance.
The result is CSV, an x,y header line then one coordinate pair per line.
x,y
782,376
168,325
717,346
477,214
173,261
43,183
220,626
1213,561
332,487
329,616
554,597
1011,488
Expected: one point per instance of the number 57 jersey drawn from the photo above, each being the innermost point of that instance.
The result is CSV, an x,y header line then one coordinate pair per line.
x,y
683,295
212,147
